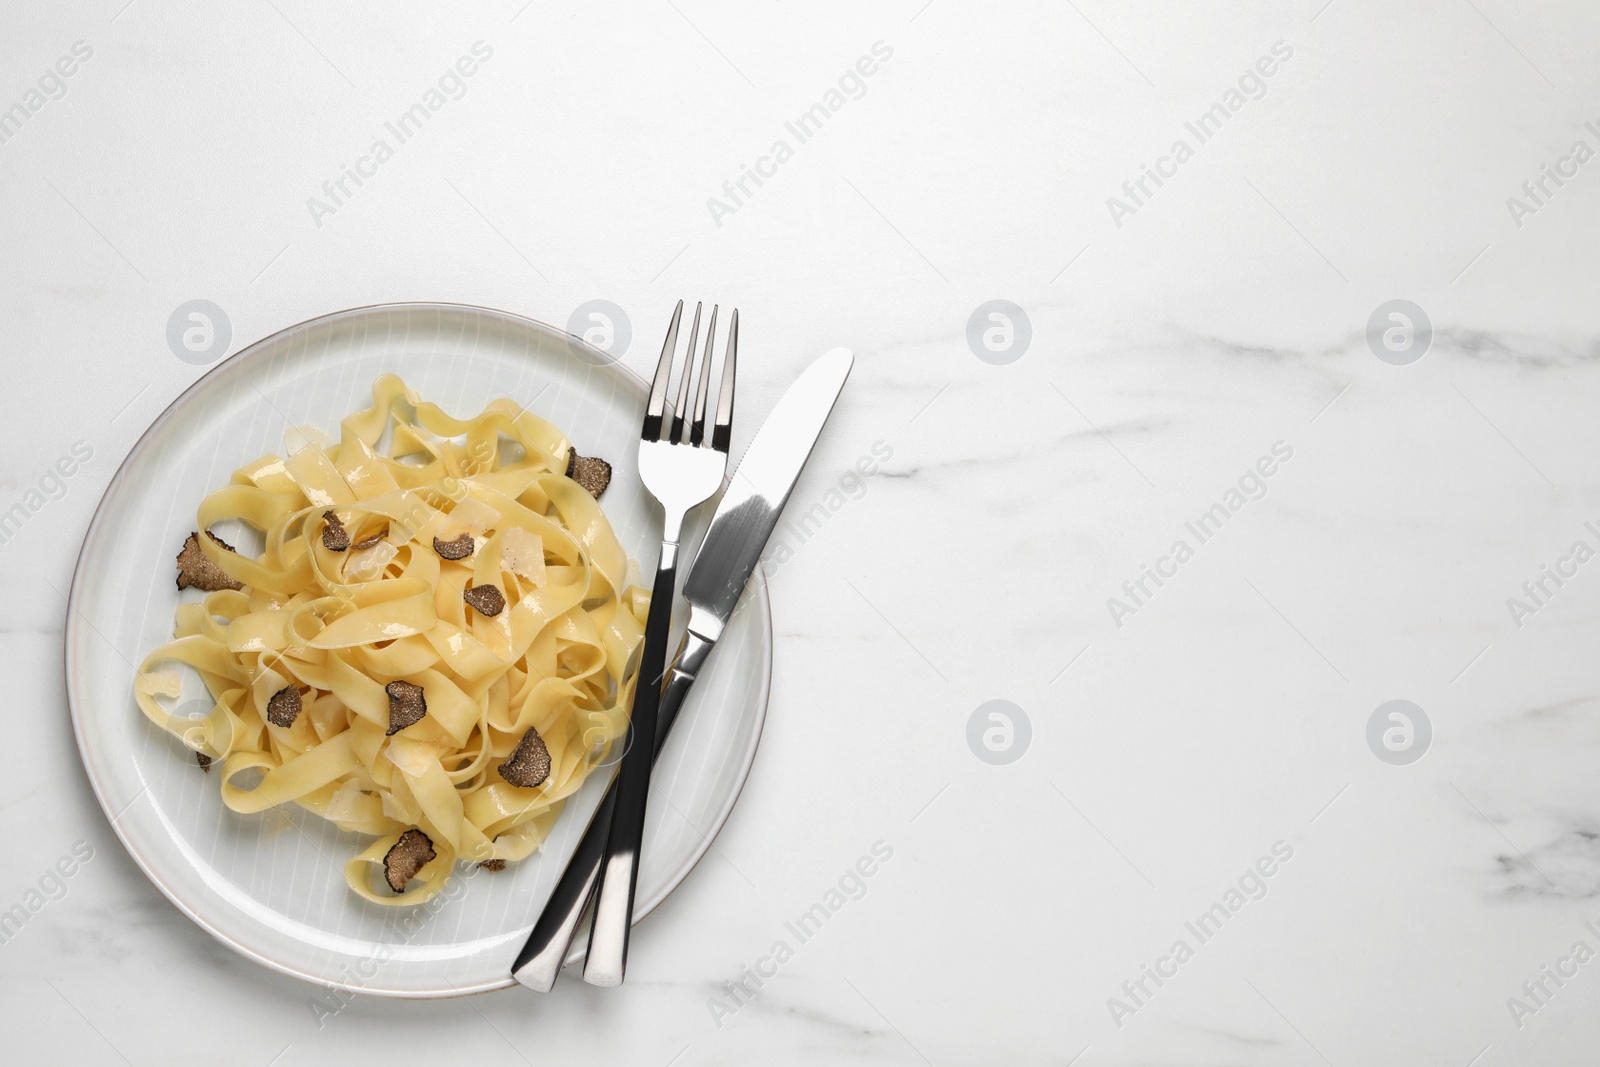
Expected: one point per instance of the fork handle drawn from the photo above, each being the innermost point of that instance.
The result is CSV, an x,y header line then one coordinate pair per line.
x,y
607,960
545,952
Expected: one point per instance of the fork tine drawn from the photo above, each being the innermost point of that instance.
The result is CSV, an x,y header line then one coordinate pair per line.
x,y
658,385
683,382
722,431
697,428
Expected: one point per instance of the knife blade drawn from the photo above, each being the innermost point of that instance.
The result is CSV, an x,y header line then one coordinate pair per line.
x,y
728,554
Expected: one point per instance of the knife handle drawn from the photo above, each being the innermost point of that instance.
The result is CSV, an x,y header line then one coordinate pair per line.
x,y
544,953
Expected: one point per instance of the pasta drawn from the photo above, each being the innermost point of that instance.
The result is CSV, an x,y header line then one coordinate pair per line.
x,y
328,637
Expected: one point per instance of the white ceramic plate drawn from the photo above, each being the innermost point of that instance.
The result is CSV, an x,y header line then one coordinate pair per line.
x,y
270,885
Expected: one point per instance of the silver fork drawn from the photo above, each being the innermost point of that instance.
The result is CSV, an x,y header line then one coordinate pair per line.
x,y
682,468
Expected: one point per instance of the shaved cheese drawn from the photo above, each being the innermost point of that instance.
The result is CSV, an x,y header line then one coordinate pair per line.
x,y
396,810
161,683
342,805
522,552
412,757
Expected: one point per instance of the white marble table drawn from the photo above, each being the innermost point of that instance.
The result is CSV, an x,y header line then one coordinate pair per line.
x,y
1196,796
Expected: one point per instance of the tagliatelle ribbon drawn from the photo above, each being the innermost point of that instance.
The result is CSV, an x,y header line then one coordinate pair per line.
x,y
339,626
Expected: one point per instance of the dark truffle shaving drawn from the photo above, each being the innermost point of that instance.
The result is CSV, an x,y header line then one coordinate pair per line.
x,y
409,855
407,706
591,472
529,765
493,865
335,538
487,599
460,548
374,539
204,761
284,706
194,569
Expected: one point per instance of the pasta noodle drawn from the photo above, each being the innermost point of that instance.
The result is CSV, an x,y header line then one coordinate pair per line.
x,y
339,626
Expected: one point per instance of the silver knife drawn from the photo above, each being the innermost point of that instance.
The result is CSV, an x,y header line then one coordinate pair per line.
x,y
739,530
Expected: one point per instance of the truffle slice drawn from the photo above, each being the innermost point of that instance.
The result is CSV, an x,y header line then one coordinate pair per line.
x,y
204,761
487,599
335,538
374,539
407,706
194,569
460,548
493,865
409,855
529,765
591,472
284,706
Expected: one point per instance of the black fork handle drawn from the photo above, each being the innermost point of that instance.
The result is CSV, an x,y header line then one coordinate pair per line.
x,y
545,952
607,961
